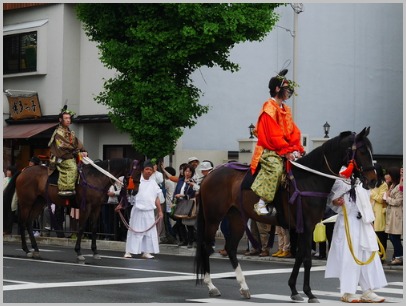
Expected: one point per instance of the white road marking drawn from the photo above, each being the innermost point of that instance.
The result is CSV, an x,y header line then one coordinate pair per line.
x,y
44,250
97,267
217,301
181,276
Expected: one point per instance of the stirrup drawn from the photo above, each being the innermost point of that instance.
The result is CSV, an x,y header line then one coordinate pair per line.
x,y
66,193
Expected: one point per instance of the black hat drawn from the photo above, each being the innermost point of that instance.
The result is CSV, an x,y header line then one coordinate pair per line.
x,y
171,170
278,80
35,160
148,164
65,110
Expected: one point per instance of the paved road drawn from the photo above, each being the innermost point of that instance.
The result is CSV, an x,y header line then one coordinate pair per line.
x,y
168,278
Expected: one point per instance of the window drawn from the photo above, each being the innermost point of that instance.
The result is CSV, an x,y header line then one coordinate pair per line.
x,y
20,53
121,151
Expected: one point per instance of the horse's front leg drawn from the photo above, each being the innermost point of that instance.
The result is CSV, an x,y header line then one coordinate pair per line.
x,y
295,296
307,264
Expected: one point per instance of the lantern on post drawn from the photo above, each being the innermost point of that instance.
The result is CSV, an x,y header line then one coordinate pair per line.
x,y
251,128
326,127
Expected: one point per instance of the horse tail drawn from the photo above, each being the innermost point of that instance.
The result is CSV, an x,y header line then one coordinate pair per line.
x,y
201,255
8,194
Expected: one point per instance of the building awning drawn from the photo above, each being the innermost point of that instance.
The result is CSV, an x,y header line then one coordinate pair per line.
x,y
25,130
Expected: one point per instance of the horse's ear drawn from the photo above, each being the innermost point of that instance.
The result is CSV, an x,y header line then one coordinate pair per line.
x,y
364,132
367,131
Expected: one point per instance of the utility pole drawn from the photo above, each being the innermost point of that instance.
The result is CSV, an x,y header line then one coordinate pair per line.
x,y
297,9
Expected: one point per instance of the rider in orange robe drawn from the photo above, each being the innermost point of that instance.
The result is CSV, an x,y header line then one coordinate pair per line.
x,y
278,138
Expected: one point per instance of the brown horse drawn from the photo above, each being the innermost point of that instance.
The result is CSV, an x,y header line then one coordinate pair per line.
x,y
223,195
34,192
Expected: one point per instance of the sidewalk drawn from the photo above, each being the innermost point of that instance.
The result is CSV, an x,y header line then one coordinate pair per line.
x,y
172,249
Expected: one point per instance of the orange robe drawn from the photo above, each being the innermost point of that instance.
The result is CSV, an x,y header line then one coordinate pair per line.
x,y
275,131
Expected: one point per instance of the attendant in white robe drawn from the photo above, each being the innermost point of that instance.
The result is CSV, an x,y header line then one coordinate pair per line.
x,y
340,262
142,236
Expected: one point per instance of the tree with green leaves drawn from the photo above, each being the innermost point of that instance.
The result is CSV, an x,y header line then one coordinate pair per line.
x,y
155,48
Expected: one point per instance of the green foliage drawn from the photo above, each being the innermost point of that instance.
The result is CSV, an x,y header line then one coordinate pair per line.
x,y
155,48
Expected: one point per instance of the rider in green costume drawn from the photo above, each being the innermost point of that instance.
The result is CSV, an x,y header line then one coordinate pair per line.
x,y
64,148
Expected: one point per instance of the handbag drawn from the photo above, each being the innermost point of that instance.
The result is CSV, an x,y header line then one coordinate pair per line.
x,y
319,234
193,213
184,208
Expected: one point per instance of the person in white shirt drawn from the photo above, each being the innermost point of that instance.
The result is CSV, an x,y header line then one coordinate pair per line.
x,y
108,216
142,236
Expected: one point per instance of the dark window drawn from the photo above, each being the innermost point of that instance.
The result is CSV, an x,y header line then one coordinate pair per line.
x,y
20,53
121,151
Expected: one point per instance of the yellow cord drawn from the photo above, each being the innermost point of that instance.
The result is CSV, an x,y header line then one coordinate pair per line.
x,y
349,241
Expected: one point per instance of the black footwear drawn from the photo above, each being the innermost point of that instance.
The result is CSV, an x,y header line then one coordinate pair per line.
x,y
182,244
168,240
164,240
190,245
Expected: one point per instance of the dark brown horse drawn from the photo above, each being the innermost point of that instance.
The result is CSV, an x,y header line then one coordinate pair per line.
x,y
34,192
222,195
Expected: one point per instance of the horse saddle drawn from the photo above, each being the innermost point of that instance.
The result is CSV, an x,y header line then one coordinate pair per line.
x,y
53,176
249,178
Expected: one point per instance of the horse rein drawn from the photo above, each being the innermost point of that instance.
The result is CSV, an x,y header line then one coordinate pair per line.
x,y
317,172
133,230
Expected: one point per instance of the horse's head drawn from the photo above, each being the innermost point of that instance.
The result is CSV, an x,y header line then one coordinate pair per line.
x,y
135,176
131,182
361,153
125,167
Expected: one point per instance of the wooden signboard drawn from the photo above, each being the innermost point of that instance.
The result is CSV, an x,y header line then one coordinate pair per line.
x,y
24,107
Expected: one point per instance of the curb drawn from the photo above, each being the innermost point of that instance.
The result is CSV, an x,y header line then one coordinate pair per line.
x,y
166,249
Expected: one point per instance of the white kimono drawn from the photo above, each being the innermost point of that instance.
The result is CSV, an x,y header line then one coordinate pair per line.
x,y
142,217
340,263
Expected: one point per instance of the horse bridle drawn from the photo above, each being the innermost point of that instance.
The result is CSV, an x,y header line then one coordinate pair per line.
x,y
352,151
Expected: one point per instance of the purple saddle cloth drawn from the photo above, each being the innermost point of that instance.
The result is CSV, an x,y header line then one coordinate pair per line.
x,y
237,166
